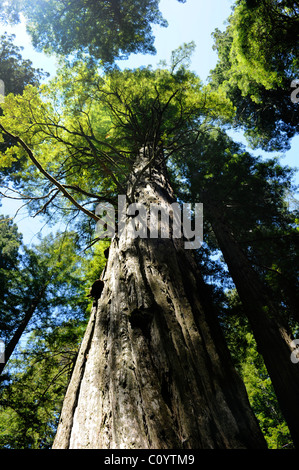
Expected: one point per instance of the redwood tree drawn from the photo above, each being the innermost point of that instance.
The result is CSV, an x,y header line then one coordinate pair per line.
x,y
153,370
245,206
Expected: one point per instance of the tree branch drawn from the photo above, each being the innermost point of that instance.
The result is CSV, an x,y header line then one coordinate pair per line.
x,y
86,193
47,175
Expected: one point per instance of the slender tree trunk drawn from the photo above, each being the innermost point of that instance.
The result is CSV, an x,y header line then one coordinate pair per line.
x,y
21,328
153,370
273,340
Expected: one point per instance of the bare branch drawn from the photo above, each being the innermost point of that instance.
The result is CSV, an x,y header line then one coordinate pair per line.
x,y
47,203
24,196
86,193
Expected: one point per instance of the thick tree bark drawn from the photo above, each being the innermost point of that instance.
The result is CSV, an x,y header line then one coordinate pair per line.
x,y
153,370
273,340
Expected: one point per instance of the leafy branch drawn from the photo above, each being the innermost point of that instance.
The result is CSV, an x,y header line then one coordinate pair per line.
x,y
60,186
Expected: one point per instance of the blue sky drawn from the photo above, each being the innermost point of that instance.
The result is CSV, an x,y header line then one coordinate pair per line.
x,y
194,20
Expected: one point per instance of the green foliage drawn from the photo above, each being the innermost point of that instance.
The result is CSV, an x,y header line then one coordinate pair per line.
x,y
251,194
263,399
10,242
31,399
15,71
257,60
107,30
265,37
251,367
43,285
87,128
56,279
181,57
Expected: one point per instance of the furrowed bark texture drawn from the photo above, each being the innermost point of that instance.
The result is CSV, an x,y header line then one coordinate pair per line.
x,y
153,371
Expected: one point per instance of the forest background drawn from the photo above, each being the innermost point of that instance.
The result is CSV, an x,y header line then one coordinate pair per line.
x,y
39,369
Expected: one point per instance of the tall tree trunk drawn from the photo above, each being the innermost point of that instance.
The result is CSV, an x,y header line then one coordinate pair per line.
x,y
272,338
9,349
153,370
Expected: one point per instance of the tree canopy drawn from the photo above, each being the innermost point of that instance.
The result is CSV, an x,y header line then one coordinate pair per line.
x,y
73,142
253,197
112,28
86,128
257,62
15,71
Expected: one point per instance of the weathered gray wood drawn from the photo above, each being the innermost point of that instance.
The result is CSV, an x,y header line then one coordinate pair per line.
x,y
153,370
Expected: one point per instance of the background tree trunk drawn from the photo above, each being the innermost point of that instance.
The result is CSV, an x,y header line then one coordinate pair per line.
x,y
272,338
9,349
153,370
